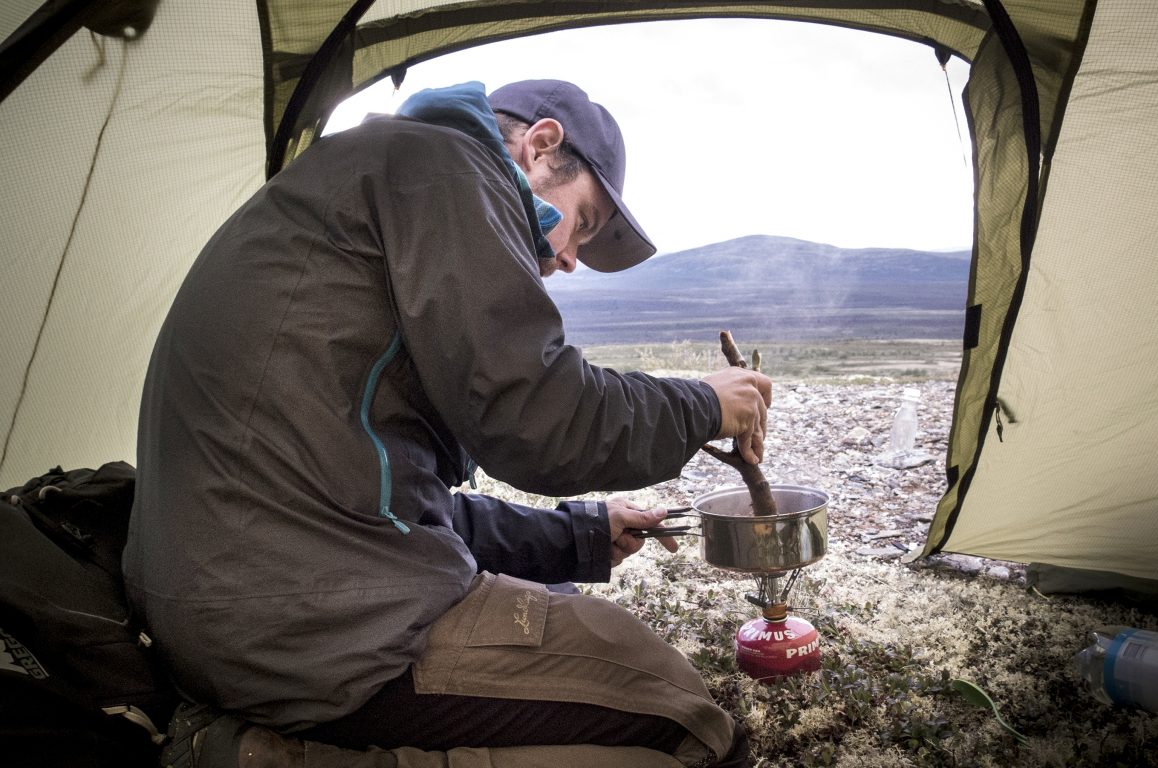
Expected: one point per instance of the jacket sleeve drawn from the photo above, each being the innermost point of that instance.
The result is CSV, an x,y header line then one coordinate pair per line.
x,y
569,543
488,344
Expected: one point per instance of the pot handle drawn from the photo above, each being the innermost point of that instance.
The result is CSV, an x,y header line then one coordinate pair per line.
x,y
659,533
678,512
675,530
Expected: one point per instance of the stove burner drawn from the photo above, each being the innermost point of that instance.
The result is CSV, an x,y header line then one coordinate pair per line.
x,y
776,644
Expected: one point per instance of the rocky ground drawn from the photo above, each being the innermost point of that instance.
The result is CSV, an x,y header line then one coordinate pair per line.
x,y
835,438
895,634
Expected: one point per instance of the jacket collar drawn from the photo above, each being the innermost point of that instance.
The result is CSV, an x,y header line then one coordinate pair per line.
x,y
465,108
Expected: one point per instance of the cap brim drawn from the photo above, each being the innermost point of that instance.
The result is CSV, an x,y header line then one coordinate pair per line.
x,y
620,243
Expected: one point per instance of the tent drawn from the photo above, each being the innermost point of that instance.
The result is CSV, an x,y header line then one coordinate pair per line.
x,y
132,129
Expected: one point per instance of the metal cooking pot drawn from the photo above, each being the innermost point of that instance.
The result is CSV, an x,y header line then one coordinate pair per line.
x,y
732,538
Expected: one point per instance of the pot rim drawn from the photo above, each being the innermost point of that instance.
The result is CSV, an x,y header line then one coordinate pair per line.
x,y
821,503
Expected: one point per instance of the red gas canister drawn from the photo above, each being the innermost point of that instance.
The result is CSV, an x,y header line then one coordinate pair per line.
x,y
777,647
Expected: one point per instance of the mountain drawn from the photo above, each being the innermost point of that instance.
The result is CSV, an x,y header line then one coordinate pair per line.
x,y
769,288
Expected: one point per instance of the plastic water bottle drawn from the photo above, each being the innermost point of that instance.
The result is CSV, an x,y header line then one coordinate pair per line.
x,y
1121,667
903,436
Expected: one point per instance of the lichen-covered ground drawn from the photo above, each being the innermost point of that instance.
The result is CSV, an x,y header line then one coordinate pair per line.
x,y
894,635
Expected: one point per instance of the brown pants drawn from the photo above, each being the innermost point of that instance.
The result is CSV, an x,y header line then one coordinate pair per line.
x,y
513,666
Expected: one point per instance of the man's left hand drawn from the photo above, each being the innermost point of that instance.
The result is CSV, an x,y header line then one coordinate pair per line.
x,y
622,515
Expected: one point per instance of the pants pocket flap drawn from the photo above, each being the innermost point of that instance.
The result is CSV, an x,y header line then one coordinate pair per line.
x,y
515,613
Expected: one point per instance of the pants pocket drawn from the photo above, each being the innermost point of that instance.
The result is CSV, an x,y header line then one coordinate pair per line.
x,y
513,613
511,639
498,611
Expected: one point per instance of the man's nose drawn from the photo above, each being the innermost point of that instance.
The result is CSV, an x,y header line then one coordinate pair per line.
x,y
566,258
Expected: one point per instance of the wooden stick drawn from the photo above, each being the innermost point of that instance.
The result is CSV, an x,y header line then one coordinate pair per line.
x,y
758,488
731,351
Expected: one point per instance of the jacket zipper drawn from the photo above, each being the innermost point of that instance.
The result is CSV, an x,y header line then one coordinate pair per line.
x,y
384,480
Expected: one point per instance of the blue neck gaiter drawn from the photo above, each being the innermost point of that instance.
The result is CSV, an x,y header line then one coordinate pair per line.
x,y
465,108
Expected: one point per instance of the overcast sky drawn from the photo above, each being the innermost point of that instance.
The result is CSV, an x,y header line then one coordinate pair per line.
x,y
741,127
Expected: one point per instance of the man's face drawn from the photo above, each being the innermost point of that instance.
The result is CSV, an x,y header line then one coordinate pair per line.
x,y
585,208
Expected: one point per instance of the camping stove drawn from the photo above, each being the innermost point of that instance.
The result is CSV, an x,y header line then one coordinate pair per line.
x,y
776,644
772,549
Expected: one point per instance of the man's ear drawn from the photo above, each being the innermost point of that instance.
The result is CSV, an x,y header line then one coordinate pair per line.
x,y
543,139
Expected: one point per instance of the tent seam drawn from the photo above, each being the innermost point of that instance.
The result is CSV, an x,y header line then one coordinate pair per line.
x,y
268,90
317,67
64,254
1018,56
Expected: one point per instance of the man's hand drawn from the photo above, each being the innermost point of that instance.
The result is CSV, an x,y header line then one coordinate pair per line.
x,y
745,397
623,514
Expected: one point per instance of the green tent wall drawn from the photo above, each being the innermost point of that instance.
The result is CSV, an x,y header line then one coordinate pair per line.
x,y
131,130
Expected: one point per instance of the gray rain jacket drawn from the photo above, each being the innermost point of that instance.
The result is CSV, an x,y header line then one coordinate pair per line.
x,y
371,319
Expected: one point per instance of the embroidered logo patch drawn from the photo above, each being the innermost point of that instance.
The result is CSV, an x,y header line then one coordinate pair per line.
x,y
523,609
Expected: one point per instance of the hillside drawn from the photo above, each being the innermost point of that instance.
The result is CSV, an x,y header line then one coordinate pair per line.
x,y
770,289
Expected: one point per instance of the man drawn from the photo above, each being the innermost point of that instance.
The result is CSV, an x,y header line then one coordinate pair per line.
x,y
370,324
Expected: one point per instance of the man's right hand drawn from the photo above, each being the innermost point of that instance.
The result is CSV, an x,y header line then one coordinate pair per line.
x,y
745,397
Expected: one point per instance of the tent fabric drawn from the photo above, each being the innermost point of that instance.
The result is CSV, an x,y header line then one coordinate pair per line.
x,y
118,159
1002,167
123,152
1056,579
1069,480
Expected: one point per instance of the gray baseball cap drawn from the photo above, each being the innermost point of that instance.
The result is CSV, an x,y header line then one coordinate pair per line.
x,y
595,135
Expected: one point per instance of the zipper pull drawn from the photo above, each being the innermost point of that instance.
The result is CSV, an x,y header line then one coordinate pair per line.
x,y
470,468
999,408
385,512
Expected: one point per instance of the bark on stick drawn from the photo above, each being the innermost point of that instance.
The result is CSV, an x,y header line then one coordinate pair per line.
x,y
758,488
731,351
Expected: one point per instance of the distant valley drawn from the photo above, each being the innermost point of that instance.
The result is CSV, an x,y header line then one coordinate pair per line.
x,y
766,288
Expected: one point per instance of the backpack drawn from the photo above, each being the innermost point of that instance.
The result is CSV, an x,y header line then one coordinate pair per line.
x,y
79,685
